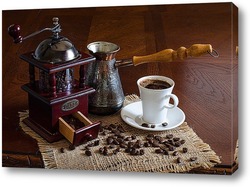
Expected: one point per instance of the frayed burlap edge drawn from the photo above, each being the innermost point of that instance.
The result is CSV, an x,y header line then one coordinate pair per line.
x,y
47,152
44,147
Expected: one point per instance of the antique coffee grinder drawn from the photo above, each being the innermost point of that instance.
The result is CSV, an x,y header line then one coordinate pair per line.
x,y
55,95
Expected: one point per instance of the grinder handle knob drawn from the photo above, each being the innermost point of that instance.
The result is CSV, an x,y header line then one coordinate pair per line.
x,y
169,55
14,31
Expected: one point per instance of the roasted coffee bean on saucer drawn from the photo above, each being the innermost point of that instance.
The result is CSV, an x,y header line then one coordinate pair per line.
x,y
152,126
164,124
145,125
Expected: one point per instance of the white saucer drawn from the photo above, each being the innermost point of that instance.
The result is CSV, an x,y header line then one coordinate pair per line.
x,y
132,115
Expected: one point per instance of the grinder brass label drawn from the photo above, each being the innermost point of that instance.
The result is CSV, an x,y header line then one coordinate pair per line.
x,y
70,105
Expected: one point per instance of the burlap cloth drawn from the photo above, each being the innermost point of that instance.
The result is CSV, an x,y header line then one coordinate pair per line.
x,y
122,161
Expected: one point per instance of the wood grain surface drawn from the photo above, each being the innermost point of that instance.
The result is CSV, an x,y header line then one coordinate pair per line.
x,y
207,87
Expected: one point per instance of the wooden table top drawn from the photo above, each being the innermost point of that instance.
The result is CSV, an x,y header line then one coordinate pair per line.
x,y
206,86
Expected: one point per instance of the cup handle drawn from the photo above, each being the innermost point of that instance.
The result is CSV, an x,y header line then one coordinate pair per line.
x,y
175,99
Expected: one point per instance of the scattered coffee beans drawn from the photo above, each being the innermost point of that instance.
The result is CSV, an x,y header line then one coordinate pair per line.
x,y
88,153
117,142
158,151
62,150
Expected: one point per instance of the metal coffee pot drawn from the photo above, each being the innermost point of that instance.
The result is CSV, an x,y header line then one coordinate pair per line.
x,y
103,75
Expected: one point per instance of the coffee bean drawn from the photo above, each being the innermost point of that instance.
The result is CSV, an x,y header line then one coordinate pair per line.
x,y
101,150
182,141
145,125
121,129
96,143
175,153
120,140
171,148
151,141
161,141
159,151
116,151
169,136
178,160
121,136
112,146
133,137
164,124
167,144
157,137
170,141
128,150
165,152
176,139
128,139
137,152
116,132
105,152
110,140
88,153
184,150
116,142
142,152
112,126
155,144
193,159
152,126
138,144
132,151
130,144
71,147
62,150
123,145
177,144
150,136
147,144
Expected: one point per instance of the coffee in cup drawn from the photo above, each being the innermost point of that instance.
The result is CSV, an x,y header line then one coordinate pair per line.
x,y
155,84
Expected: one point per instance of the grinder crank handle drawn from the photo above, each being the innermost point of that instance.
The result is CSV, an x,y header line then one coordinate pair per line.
x,y
14,31
169,55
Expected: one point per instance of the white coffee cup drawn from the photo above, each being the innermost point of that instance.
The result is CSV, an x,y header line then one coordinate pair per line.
x,y
155,102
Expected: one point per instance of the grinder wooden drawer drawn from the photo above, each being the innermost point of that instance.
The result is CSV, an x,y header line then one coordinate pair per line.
x,y
77,128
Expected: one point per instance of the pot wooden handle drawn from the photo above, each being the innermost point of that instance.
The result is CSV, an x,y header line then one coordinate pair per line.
x,y
169,55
